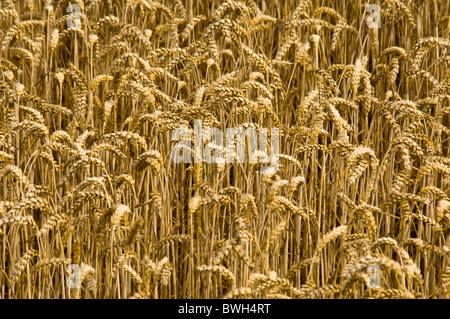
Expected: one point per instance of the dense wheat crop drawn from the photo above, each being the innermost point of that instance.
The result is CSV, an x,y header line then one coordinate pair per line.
x,y
91,93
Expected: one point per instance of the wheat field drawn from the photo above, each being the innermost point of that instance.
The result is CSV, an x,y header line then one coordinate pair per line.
x,y
91,92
